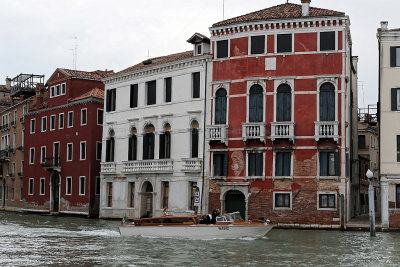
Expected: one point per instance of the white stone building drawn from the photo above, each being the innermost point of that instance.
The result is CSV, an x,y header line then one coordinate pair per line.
x,y
153,135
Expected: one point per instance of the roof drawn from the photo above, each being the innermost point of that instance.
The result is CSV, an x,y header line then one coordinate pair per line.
x,y
158,61
96,75
3,88
284,11
198,38
95,92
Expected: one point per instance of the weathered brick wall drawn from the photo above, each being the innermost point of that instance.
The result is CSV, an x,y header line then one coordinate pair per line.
x,y
394,219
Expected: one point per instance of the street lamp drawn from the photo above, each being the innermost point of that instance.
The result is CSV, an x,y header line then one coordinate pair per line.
x,y
370,175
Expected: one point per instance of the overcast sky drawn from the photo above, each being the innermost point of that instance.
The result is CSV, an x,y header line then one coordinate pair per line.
x,y
37,36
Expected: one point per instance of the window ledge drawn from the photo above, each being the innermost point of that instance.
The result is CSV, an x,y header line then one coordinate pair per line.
x,y
218,178
255,178
327,209
282,177
281,208
328,177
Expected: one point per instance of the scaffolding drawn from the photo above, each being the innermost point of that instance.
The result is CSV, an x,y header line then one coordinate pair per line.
x,y
25,84
369,114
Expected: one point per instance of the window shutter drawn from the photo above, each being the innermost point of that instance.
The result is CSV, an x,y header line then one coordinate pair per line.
x,y
167,145
323,164
259,164
151,92
257,44
134,96
222,49
225,164
112,149
278,164
217,164
331,106
253,108
252,164
287,163
393,56
195,143
168,89
130,149
259,107
108,101
337,164
113,99
394,98
145,146
196,84
279,107
162,146
287,106
151,145
108,155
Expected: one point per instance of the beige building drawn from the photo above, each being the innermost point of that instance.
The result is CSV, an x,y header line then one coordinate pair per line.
x,y
389,124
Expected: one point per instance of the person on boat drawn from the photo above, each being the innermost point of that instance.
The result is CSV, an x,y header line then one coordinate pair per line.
x,y
165,212
206,219
214,216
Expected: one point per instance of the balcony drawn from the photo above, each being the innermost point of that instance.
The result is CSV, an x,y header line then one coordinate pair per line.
x,y
327,130
192,165
25,84
149,166
5,154
218,133
51,164
282,130
108,167
253,130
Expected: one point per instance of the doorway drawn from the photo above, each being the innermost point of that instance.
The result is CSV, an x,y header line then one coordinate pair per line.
x,y
235,201
55,192
147,201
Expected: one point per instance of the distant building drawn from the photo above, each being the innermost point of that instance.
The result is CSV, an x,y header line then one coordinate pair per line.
x,y
63,144
283,121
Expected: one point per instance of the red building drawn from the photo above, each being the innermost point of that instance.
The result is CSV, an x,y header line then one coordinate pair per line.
x,y
63,133
281,106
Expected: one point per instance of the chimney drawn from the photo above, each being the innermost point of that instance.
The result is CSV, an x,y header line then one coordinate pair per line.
x,y
8,83
305,7
384,25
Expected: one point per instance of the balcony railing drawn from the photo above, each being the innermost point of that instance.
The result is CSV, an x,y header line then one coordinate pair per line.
x,y
282,130
148,166
218,133
51,164
192,165
108,167
253,130
327,129
5,154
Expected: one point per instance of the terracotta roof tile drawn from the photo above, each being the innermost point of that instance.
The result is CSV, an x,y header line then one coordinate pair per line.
x,y
96,93
284,11
158,61
97,75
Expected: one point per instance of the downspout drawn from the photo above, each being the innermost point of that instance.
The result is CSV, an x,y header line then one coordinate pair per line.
x,y
204,137
379,106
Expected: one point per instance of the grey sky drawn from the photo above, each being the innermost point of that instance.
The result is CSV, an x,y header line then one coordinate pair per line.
x,y
36,36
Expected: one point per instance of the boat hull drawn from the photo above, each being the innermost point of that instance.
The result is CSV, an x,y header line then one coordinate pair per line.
x,y
197,231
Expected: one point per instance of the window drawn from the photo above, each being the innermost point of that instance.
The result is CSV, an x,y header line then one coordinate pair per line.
x,y
83,150
33,126
329,164
58,90
30,186
15,117
110,145
361,142
70,119
283,163
196,85
99,146
12,194
165,145
220,106
284,43
151,92
195,140
83,116
198,49
44,124
132,147
21,194
168,89
63,88
52,122
395,56
327,201
97,185
52,92
32,155
164,194
42,186
61,121
82,182
148,143
22,168
43,154
100,115
109,194
6,192
398,148
192,190
222,49
395,99
327,102
111,99
13,169
220,164
284,103
14,140
134,96
255,164
256,104
282,200
131,187
257,45
69,151
327,41
68,186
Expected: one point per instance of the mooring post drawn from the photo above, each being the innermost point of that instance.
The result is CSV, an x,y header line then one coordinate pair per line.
x,y
370,175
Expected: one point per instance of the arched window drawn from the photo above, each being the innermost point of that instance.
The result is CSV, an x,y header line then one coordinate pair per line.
x,y
110,148
132,147
194,139
256,104
148,142
220,106
165,143
284,103
327,102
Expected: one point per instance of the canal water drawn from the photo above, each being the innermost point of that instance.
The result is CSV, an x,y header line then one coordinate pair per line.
x,y
35,240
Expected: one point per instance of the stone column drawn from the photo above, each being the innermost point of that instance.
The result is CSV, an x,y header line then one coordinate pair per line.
x,y
385,202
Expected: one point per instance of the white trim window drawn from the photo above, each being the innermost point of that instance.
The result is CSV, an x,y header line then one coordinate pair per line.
x,y
68,186
52,91
44,124
99,146
30,186
283,164
327,41
58,90
222,49
282,200
257,45
82,150
327,201
52,122
63,88
70,119
42,186
284,43
82,185
84,116
32,155
255,164
100,116
70,151
43,154
61,121
33,126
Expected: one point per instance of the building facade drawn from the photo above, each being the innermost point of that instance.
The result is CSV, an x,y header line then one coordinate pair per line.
x,y
63,144
153,135
389,124
279,120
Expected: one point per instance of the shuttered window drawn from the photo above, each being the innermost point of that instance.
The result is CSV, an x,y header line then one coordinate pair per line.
x,y
134,96
220,164
256,104
132,148
284,43
151,92
395,56
110,101
196,85
168,89
283,162
195,143
255,164
148,146
327,41
110,146
398,148
284,103
329,164
327,102
222,49
395,99
220,106
257,45
165,145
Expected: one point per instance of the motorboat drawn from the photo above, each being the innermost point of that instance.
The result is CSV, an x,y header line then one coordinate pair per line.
x,y
191,227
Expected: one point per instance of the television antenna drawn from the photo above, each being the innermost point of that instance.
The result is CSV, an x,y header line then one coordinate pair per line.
x,y
74,52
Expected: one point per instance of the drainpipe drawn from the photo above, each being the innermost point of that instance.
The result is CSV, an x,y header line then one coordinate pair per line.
x,y
204,138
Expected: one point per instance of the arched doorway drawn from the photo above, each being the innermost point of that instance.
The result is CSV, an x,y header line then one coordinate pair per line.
x,y
55,192
235,201
147,201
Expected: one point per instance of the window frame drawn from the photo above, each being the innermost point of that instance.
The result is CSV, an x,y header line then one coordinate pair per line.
x,y
61,120
42,186
196,91
84,116
336,164
70,122
326,193
99,151
224,169
277,43
70,153
80,185
53,126
43,154
68,185
148,92
43,125
31,156
84,150
102,117
32,127
335,33
275,207
274,165
63,88
248,164
31,186
217,50
251,41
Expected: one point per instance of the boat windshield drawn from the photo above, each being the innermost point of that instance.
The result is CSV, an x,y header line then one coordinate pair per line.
x,y
224,218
